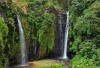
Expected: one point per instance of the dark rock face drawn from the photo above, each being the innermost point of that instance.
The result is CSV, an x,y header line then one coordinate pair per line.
x,y
60,34
34,48
33,51
4,16
59,38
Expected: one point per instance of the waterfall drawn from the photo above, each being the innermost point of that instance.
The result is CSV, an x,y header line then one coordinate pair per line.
x,y
7,63
35,50
60,25
66,37
60,42
22,42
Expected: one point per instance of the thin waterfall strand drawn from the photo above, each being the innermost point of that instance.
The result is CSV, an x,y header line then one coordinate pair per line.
x,y
66,37
22,42
61,33
7,63
60,25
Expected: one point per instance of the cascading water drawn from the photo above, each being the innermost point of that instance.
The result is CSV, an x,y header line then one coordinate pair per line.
x,y
35,50
7,63
58,48
60,25
22,42
66,37
60,33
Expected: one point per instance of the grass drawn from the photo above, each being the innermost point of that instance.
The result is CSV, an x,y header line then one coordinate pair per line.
x,y
47,63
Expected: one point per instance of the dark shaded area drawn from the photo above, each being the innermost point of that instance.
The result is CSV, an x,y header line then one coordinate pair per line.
x,y
4,16
58,39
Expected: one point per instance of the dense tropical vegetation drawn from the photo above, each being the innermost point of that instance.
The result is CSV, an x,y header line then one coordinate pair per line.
x,y
85,33
39,19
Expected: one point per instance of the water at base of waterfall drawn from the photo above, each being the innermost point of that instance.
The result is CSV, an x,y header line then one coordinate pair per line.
x,y
24,65
63,57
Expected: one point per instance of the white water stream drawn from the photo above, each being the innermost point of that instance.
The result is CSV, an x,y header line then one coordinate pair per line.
x,y
22,42
66,37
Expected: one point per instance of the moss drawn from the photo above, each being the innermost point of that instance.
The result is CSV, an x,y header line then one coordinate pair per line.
x,y
47,35
3,41
47,63
63,3
3,27
42,21
24,20
56,65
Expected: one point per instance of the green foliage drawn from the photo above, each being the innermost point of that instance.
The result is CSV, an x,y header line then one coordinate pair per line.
x,y
43,22
9,38
78,6
87,57
63,3
58,65
82,62
9,9
84,33
3,28
3,40
40,19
